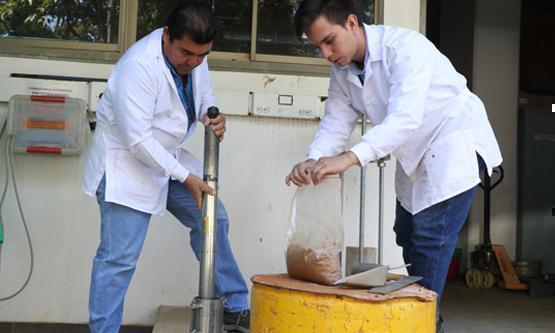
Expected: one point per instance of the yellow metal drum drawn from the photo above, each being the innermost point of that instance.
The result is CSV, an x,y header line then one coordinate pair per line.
x,y
276,308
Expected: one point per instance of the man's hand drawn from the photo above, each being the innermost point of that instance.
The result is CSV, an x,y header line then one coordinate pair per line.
x,y
300,175
332,165
197,187
217,124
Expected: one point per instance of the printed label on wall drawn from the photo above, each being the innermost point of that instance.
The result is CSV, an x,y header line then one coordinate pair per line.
x,y
42,87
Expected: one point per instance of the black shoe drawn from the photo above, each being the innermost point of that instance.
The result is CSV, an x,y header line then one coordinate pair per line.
x,y
237,321
439,325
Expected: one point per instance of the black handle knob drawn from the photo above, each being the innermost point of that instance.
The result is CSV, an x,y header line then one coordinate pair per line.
x,y
213,112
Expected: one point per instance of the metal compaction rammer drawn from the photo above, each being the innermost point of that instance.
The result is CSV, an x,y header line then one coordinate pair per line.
x,y
208,310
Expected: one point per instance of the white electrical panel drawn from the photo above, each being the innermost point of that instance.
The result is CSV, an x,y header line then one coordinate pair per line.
x,y
286,105
46,124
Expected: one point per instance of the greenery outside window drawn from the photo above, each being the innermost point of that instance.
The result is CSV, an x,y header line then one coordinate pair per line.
x,y
85,20
83,30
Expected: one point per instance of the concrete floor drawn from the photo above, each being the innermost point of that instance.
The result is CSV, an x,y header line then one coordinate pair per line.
x,y
173,319
495,310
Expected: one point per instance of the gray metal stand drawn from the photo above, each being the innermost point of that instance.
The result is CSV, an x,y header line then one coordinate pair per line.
x,y
362,207
381,166
361,265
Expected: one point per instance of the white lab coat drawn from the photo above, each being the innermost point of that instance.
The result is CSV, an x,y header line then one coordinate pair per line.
x,y
142,127
422,113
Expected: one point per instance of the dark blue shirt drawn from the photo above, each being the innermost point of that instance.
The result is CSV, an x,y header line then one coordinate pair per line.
x,y
185,93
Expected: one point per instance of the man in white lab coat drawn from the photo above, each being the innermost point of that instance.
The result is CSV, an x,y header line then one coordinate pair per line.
x,y
156,94
422,114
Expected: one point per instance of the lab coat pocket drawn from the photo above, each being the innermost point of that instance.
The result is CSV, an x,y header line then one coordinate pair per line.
x,y
133,183
450,163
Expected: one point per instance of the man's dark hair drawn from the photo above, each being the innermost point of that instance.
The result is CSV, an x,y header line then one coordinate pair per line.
x,y
335,11
192,19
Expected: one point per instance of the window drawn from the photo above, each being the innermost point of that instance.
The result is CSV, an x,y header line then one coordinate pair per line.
x,y
273,38
275,34
251,30
235,22
84,20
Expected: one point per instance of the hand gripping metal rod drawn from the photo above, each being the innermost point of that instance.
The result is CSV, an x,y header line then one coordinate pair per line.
x,y
207,310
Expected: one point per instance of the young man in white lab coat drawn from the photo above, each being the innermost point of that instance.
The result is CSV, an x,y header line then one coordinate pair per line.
x,y
422,114
157,93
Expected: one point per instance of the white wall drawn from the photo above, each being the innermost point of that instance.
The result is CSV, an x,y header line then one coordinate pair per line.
x,y
496,68
403,13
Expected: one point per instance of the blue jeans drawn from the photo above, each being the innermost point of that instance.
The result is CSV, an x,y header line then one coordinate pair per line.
x,y
122,235
429,238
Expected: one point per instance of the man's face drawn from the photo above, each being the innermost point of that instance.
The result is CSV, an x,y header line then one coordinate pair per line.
x,y
337,43
184,54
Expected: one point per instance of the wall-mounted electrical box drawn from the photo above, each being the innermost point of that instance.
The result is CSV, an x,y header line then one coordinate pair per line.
x,y
46,124
286,105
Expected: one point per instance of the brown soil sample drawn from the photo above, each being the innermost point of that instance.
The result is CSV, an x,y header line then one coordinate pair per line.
x,y
319,267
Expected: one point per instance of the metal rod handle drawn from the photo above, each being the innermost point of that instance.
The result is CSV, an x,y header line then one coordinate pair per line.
x,y
207,262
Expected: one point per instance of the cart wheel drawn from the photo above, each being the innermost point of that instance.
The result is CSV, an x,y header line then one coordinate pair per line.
x,y
485,279
473,278
488,279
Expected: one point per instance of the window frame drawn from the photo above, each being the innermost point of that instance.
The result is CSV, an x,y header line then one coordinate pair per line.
x,y
76,50
127,31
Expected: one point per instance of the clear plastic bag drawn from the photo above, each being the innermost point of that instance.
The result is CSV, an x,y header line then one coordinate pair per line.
x,y
315,236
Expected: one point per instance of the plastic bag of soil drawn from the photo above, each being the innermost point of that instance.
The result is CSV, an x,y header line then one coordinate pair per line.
x,y
315,236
